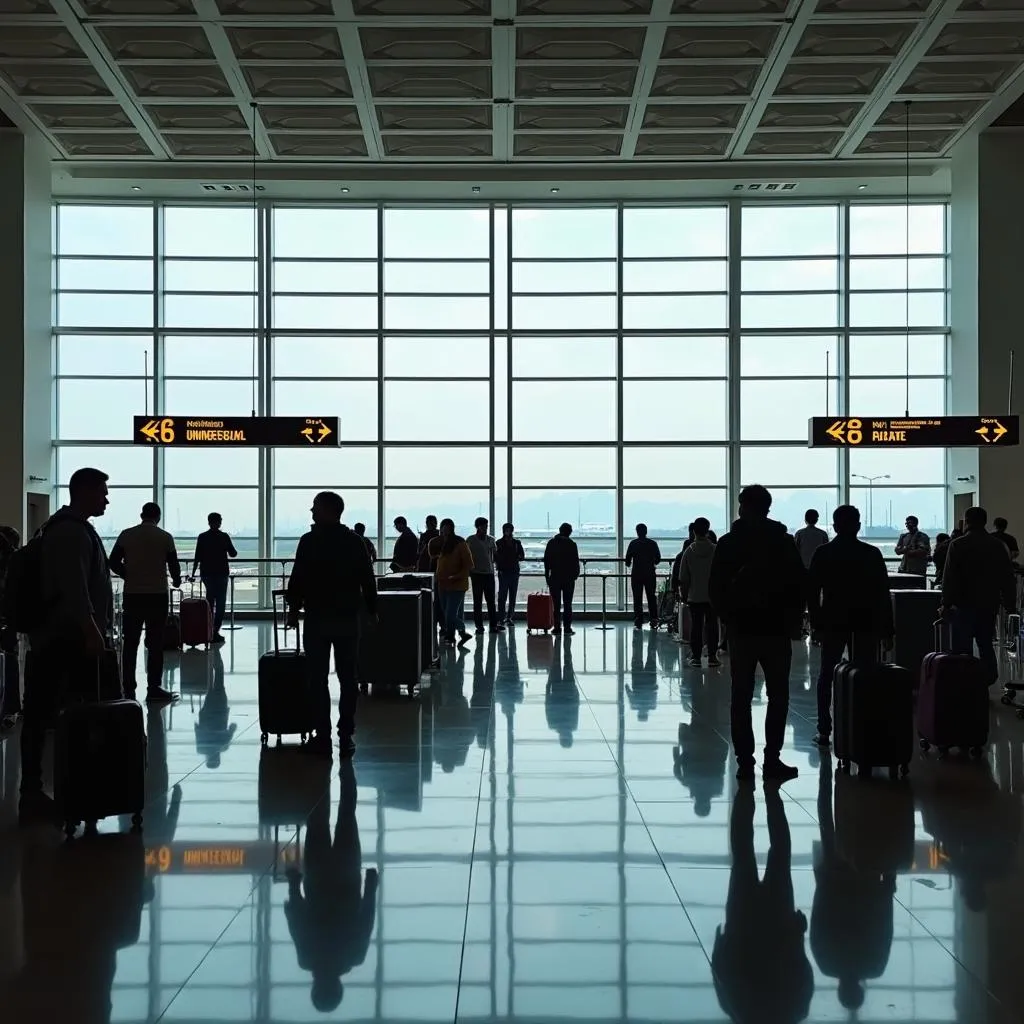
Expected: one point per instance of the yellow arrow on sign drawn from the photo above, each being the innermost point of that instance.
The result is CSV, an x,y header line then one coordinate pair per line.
x,y
151,430
837,431
308,434
325,431
983,431
999,431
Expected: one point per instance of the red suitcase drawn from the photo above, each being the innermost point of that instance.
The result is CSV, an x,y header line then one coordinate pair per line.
x,y
952,705
540,613
196,621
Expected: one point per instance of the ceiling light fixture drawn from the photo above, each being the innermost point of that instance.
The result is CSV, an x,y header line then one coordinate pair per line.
x,y
555,190
476,189
345,189
861,187
136,188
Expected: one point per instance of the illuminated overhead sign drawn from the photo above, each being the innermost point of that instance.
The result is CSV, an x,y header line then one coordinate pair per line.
x,y
910,432
235,431
220,858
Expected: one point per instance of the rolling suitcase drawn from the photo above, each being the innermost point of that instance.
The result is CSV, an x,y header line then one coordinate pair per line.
x,y
685,624
196,621
952,704
170,639
913,613
391,650
874,717
540,613
418,583
100,755
284,704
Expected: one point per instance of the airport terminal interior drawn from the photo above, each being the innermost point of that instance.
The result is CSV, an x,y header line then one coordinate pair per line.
x,y
596,262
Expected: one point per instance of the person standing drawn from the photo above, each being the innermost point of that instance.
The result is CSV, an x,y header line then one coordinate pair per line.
x,y
757,587
915,548
331,579
371,549
143,556
849,606
642,558
405,556
978,577
454,564
482,548
213,549
562,570
694,577
424,563
810,538
508,558
1000,524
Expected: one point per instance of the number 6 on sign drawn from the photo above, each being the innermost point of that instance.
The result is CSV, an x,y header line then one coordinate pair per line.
x,y
167,431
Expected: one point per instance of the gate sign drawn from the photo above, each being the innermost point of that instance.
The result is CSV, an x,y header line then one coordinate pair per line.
x,y
909,432
236,431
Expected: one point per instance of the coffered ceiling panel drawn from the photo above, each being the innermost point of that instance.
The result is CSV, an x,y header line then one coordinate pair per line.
x,y
520,82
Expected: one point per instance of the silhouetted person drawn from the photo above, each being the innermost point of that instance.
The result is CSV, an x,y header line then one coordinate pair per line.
x,y
451,576
144,556
562,696
213,549
213,731
330,911
916,549
978,577
371,549
561,571
757,587
508,559
849,606
999,525
942,542
810,538
642,559
482,548
406,552
642,691
424,563
693,586
761,971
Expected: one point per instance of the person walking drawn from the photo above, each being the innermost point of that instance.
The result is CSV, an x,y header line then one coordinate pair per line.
x,y
694,578
213,549
757,587
561,571
143,556
978,577
371,549
424,563
849,605
915,549
482,548
508,558
406,552
454,564
642,559
333,581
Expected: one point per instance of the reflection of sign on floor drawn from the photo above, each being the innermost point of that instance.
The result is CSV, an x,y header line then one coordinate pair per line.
x,y
929,858
225,858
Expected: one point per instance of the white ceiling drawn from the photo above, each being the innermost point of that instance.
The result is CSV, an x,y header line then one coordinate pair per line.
x,y
505,90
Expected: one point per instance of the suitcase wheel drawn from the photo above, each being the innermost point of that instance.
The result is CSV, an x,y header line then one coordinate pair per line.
x,y
1007,698
70,828
137,821
278,739
90,828
925,745
898,771
844,767
263,739
1020,712
975,752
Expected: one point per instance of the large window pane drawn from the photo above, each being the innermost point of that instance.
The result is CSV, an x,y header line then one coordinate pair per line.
x,y
321,233
890,309
437,357
98,356
778,410
917,466
667,514
324,313
884,510
790,230
127,466
889,397
210,276
325,278
209,230
208,398
875,355
557,234
566,467
186,509
565,313
591,513
94,309
790,466
443,411
292,514
214,356
412,313
565,277
101,230
332,469
107,275
686,467
184,467
436,233
563,357
324,357
675,276
679,231
798,356
215,312
675,357
355,402
880,230
674,411
563,411
462,505
427,467
892,273
782,311
789,504
790,275
123,511
674,312
98,410
419,278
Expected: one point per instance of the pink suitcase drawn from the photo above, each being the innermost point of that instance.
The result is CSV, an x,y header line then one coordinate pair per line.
x,y
952,704
196,622
540,612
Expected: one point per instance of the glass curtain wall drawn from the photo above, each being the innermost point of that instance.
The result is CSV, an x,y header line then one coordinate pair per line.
x,y
599,365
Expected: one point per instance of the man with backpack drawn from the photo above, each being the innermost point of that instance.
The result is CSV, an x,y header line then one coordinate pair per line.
x,y
58,591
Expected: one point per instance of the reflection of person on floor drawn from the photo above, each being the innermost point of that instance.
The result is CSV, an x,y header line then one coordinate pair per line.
x,y
703,753
561,695
330,912
508,686
162,802
483,689
852,914
453,720
643,694
762,975
213,732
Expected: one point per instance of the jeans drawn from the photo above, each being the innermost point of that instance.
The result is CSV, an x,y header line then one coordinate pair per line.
x,y
483,589
561,598
149,612
703,629
319,637
775,655
453,604
508,589
217,596
863,647
970,628
644,585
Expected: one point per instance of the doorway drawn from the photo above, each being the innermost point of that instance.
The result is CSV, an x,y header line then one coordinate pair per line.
x,y
961,503
37,512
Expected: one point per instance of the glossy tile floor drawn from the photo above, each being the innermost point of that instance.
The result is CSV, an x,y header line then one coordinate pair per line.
x,y
529,842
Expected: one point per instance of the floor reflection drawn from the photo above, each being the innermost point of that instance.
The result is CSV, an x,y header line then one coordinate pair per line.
x,y
550,830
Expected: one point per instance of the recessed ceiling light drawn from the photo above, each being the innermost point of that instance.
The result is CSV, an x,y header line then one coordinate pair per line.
x,y
136,188
555,190
861,188
476,188
345,188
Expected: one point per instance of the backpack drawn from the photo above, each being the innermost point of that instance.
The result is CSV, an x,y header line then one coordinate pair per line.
x,y
24,607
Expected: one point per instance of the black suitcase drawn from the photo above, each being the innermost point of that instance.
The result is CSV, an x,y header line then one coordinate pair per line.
x,y
283,684
290,785
428,631
874,717
390,650
914,613
100,757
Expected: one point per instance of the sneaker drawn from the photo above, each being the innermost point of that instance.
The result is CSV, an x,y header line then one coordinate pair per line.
x,y
498,628
694,662
464,639
713,662
655,625
36,808
779,771
158,695
637,626
556,630
346,746
569,631
320,746
822,739
745,771
479,630
219,639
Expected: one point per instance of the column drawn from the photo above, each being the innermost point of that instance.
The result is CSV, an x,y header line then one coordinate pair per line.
x,y
25,323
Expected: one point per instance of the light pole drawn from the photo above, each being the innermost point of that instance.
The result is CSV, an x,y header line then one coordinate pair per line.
x,y
871,483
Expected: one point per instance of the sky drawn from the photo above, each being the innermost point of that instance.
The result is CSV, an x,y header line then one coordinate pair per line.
x,y
322,357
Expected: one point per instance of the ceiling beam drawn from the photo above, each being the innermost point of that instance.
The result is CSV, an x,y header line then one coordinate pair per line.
x,y
89,42
787,39
654,42
918,43
26,122
359,77
217,37
503,79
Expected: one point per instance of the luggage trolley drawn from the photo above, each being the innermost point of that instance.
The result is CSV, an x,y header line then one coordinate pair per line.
x,y
1013,654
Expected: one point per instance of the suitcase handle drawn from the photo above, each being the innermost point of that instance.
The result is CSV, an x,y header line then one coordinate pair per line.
x,y
282,594
943,636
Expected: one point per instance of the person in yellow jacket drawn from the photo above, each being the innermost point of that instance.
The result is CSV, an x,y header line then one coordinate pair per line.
x,y
454,564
